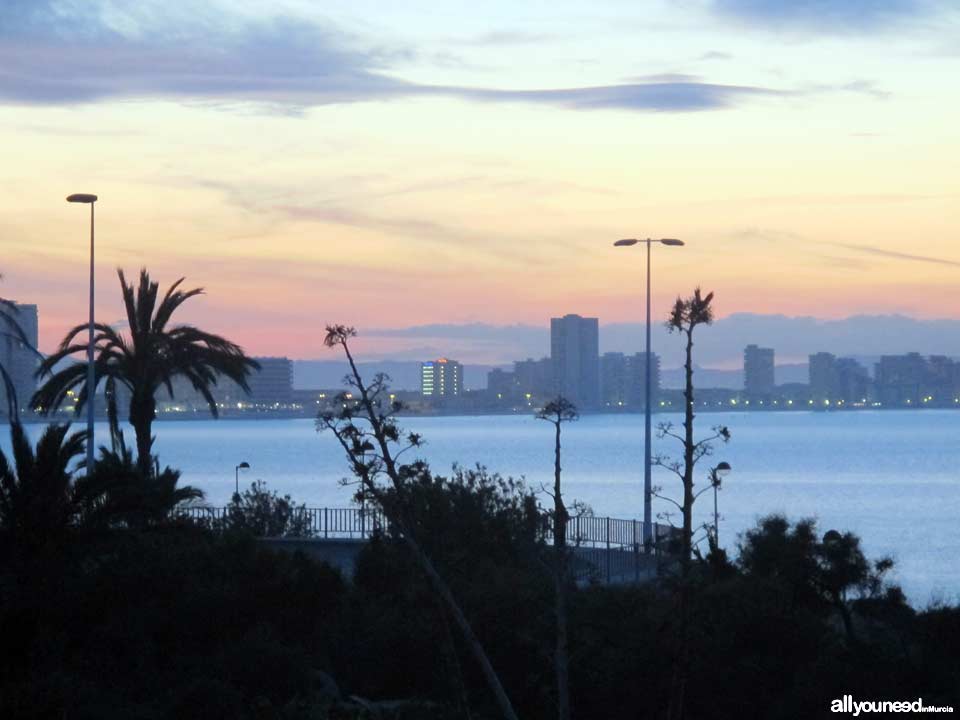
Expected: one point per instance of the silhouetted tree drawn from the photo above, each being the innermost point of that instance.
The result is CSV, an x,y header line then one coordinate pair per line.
x,y
149,358
367,430
130,497
832,573
558,411
38,500
685,316
264,513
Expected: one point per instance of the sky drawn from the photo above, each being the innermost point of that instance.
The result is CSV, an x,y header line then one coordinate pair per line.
x,y
388,165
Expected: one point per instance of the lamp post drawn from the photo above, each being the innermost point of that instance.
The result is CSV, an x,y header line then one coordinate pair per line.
x,y
647,460
236,476
91,376
716,477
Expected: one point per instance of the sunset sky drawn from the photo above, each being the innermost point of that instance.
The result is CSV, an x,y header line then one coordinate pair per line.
x,y
394,164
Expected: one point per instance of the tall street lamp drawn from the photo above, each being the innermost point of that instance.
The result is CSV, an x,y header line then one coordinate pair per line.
x,y
91,377
236,476
647,461
716,478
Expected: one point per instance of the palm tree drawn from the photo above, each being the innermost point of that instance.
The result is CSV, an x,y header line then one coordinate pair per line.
x,y
122,493
38,499
149,358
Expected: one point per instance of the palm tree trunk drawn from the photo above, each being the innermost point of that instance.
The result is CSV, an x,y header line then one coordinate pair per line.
x,y
142,413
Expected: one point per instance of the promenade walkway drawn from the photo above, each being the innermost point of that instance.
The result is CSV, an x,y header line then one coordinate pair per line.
x,y
606,550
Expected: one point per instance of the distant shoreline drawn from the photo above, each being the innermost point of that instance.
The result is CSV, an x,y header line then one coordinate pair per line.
x,y
251,416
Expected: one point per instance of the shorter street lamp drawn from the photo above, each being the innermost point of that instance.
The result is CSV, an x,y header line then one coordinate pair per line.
x,y
236,475
716,478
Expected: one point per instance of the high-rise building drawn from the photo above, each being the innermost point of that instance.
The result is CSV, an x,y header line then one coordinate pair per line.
x,y
824,382
614,379
18,359
900,378
835,381
637,396
575,357
534,377
501,384
853,381
442,378
758,377
529,380
623,380
273,382
940,386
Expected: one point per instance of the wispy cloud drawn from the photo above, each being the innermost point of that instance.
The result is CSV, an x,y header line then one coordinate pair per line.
x,y
715,55
797,240
650,96
424,229
506,37
894,254
665,78
54,54
861,87
823,16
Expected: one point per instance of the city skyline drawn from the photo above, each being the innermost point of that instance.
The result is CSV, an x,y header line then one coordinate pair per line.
x,y
721,347
443,155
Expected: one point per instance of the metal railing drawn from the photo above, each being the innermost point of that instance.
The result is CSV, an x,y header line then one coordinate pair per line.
x,y
583,531
612,550
603,549
608,532
315,523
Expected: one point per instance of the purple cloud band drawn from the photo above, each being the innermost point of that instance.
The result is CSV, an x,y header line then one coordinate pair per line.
x,y
48,57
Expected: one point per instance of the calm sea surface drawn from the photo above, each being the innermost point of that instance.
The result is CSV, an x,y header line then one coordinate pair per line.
x,y
890,476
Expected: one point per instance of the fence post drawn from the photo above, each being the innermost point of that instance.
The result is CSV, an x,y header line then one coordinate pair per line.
x,y
636,554
326,524
608,549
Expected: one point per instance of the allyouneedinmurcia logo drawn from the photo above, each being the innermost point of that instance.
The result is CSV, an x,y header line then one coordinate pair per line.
x,y
847,704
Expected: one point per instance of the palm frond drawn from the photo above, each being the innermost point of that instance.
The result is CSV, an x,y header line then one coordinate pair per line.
x,y
8,313
13,405
171,301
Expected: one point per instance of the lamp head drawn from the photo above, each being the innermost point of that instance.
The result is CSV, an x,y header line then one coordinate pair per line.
x,y
723,469
243,466
82,198
626,243
672,241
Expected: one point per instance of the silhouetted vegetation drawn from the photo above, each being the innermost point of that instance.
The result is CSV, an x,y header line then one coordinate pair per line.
x,y
172,620
556,412
132,497
38,499
114,605
367,430
264,513
148,359
685,317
